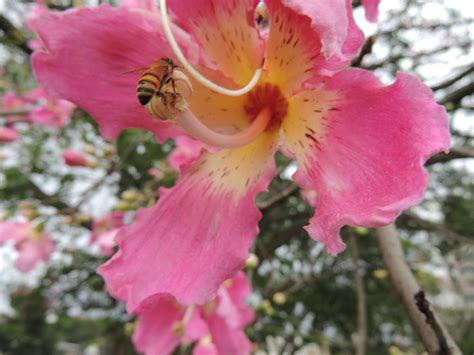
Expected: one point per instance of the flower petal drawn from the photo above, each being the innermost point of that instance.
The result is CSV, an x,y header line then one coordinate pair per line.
x,y
199,232
361,145
32,251
371,9
154,333
187,150
228,340
232,301
308,38
226,31
90,60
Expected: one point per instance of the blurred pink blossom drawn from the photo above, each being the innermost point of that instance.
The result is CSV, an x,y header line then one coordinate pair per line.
x,y
371,9
217,325
104,231
44,110
187,150
74,158
32,245
8,134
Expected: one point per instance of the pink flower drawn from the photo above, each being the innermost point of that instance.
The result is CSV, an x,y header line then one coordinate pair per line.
x,y
74,158
218,325
144,4
8,134
104,231
11,100
48,111
360,144
371,9
187,150
33,246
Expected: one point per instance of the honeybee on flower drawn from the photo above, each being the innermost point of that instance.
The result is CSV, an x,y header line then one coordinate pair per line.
x,y
252,92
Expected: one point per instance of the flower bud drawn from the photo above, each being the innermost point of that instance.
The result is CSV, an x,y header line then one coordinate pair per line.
x,y
361,230
252,262
279,298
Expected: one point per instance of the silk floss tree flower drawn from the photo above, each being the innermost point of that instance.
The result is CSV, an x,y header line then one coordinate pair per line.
x,y
371,8
104,231
33,244
359,144
216,327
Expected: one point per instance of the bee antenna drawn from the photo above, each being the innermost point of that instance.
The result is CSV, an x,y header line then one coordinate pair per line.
x,y
198,76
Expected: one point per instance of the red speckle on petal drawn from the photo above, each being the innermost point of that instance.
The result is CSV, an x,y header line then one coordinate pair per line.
x,y
267,95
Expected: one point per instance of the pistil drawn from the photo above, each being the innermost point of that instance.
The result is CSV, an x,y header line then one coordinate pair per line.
x,y
190,123
198,76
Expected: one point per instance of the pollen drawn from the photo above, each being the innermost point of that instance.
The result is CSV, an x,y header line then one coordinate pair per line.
x,y
267,95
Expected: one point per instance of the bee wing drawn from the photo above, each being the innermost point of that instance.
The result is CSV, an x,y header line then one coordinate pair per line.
x,y
136,70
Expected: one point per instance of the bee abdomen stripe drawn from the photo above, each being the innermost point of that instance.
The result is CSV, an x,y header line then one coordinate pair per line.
x,y
151,74
146,81
145,90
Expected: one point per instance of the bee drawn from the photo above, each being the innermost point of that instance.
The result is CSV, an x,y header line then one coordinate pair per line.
x,y
154,79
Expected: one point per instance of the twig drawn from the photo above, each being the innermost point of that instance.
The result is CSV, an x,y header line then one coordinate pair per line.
x,y
438,228
454,153
361,299
453,80
16,111
14,35
366,49
456,96
407,287
424,307
269,202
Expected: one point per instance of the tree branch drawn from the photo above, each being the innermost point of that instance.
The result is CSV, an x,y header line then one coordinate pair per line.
x,y
14,35
454,153
456,96
361,298
436,339
453,80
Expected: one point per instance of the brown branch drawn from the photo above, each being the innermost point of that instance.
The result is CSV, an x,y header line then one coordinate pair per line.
x,y
274,199
455,97
424,307
14,35
366,49
436,227
407,287
361,343
15,111
453,80
454,153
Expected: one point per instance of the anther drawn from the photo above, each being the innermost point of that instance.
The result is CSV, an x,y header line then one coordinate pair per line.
x,y
198,76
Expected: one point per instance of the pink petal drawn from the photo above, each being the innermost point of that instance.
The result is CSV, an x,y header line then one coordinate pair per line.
x,y
32,251
308,38
143,4
199,232
154,333
371,9
8,135
75,158
226,31
228,340
203,348
91,60
106,242
364,149
15,231
187,150
232,301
